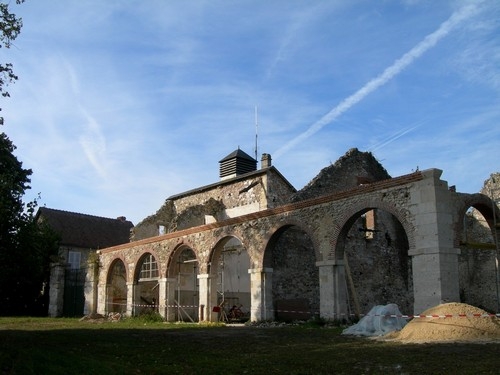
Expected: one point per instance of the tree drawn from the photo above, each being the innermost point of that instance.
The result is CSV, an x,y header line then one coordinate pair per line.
x,y
10,27
26,246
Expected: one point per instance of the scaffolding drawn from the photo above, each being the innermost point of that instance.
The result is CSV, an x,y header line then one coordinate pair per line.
x,y
187,257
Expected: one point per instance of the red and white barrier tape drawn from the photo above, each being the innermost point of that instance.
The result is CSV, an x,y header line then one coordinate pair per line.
x,y
403,316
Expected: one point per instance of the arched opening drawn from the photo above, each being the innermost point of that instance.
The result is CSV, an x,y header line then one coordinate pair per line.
x,y
373,247
295,278
230,281
477,262
183,273
146,285
116,288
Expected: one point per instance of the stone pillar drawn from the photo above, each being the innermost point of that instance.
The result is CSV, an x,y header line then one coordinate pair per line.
x,y
90,288
333,292
435,278
162,297
261,294
56,290
130,299
171,309
207,299
434,258
102,305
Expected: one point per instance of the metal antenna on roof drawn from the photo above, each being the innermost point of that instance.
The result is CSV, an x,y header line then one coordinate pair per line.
x,y
256,132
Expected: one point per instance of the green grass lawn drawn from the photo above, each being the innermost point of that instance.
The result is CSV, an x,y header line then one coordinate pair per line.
x,y
134,346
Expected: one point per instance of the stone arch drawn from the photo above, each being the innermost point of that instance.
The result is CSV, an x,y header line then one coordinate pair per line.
x,y
347,218
222,239
480,202
229,266
174,251
478,256
291,252
271,235
183,288
116,286
178,250
373,242
146,283
138,263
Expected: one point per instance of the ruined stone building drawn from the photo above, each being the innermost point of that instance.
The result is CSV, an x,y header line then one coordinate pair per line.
x,y
350,239
80,236
479,277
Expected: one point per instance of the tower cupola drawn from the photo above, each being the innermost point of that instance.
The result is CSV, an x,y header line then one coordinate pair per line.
x,y
235,164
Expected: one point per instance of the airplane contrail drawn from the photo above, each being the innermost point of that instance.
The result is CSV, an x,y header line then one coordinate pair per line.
x,y
394,137
389,73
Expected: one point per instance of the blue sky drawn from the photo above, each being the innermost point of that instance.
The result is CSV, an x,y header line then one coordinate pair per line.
x,y
121,104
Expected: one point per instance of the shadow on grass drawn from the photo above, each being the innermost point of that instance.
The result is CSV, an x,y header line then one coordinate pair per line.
x,y
77,348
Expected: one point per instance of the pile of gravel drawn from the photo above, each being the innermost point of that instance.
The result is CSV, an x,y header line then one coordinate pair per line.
x,y
466,324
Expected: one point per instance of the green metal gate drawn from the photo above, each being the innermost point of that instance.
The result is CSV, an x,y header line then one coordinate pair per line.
x,y
74,299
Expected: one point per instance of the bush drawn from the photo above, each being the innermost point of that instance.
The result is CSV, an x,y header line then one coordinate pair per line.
x,y
149,317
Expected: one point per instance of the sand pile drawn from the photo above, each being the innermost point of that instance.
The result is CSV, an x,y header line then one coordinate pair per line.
x,y
455,328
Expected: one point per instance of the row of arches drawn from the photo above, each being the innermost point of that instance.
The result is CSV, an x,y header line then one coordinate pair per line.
x,y
290,262
372,248
230,280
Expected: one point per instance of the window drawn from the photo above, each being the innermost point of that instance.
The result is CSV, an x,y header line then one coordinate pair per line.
x,y
74,258
368,219
149,268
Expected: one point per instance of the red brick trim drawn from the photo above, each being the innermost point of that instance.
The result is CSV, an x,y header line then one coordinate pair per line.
x,y
111,264
370,203
480,202
359,190
137,263
277,227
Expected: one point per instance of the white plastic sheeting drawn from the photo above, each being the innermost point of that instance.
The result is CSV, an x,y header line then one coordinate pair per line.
x,y
378,322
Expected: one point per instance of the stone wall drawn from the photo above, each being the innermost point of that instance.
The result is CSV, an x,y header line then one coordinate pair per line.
x,y
252,192
352,169
377,252
391,240
295,276
478,255
379,265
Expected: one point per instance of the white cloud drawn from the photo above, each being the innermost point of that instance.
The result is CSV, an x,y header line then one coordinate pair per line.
x,y
119,106
389,73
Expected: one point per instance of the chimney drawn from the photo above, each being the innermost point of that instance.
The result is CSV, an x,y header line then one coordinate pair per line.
x,y
265,161
121,218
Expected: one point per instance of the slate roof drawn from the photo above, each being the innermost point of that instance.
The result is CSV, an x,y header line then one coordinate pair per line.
x,y
238,154
86,231
245,176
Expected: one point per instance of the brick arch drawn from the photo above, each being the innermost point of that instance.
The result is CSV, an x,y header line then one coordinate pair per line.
x,y
480,202
274,232
236,234
177,248
138,259
111,264
365,205
221,238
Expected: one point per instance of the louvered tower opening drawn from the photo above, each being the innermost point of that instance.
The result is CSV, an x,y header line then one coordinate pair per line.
x,y
235,164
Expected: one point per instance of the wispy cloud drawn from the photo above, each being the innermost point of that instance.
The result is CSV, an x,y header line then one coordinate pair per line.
x,y
120,105
389,73
94,145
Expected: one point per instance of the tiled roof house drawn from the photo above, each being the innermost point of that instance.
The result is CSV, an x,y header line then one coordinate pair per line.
x,y
80,235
